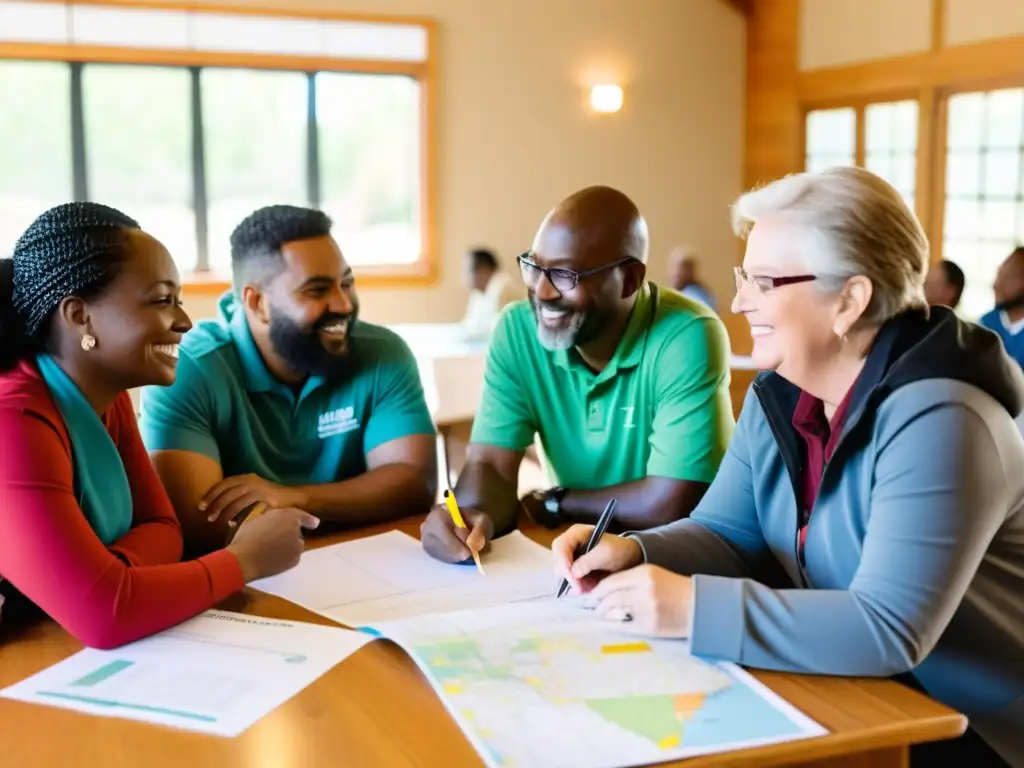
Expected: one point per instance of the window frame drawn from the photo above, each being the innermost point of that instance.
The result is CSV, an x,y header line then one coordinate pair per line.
x,y
859,104
932,96
204,280
937,232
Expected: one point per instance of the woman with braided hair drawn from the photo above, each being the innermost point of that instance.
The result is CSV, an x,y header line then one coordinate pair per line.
x,y
90,308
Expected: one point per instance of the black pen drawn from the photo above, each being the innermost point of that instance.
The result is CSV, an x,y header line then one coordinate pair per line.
x,y
595,536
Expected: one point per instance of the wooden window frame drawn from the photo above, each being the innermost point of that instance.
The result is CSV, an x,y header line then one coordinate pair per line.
x,y
981,85
424,271
806,110
931,77
860,103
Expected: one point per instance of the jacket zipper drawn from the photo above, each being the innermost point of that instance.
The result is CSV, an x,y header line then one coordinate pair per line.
x,y
793,473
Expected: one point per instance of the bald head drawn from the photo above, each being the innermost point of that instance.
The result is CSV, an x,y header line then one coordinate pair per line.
x,y
598,225
588,264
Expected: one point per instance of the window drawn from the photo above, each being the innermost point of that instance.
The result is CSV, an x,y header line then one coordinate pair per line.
x,y
984,200
255,146
35,144
319,112
880,136
138,150
890,144
831,138
373,197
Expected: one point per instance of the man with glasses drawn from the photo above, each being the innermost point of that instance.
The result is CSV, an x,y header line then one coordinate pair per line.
x,y
625,383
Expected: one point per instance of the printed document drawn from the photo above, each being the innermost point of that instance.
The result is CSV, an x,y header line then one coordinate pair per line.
x,y
217,673
389,576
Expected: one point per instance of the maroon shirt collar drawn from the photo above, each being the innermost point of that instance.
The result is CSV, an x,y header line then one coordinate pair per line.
x,y
810,422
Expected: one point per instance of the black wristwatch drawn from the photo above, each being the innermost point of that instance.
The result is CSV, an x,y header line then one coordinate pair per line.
x,y
550,507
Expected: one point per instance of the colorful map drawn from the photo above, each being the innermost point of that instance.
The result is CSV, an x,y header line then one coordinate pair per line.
x,y
543,683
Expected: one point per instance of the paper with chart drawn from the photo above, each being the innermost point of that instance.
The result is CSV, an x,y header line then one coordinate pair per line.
x,y
386,577
218,673
544,684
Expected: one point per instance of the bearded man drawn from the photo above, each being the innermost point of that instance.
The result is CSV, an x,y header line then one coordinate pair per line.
x,y
288,399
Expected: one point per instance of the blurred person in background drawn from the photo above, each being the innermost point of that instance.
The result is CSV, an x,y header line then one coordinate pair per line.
x,y
682,267
488,287
1007,319
944,285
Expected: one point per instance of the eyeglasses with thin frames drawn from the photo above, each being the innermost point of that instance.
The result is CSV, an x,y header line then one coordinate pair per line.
x,y
766,283
563,280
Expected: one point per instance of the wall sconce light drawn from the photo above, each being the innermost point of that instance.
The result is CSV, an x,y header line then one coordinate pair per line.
x,y
606,98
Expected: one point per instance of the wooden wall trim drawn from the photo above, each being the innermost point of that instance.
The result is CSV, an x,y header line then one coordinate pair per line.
x,y
255,9
773,121
927,148
954,67
773,117
187,57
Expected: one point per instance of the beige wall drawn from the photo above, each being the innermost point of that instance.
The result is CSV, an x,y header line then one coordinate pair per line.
x,y
514,136
834,32
837,32
968,21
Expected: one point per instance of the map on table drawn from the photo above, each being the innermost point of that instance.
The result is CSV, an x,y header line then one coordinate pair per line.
x,y
543,683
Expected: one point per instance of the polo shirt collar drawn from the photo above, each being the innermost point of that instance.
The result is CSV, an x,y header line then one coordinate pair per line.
x,y
630,350
258,377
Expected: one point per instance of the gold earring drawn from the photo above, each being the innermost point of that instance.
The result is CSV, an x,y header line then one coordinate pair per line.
x,y
88,342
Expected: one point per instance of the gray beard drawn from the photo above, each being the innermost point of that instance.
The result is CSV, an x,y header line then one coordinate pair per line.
x,y
557,341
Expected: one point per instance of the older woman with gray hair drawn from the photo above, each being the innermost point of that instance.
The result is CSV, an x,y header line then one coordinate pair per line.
x,y
867,518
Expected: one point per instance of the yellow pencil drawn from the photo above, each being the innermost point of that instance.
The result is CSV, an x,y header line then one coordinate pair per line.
x,y
257,509
453,510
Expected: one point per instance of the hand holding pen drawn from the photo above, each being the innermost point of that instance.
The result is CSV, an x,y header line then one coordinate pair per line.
x,y
583,552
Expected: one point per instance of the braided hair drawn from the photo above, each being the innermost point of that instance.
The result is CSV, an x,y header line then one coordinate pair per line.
x,y
75,249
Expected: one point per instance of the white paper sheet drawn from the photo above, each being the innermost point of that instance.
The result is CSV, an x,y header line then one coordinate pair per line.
x,y
386,577
217,673
544,683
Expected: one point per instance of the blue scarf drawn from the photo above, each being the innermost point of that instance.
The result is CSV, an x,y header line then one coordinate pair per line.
x,y
101,483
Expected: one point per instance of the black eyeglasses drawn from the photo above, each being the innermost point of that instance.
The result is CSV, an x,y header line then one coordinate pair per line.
x,y
766,283
564,280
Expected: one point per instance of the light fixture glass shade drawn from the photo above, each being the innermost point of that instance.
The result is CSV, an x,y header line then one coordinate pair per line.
x,y
606,98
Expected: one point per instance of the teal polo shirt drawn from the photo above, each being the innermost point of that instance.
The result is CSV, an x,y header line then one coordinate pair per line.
x,y
225,404
660,407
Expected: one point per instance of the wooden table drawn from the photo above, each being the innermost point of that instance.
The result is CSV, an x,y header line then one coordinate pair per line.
x,y
376,709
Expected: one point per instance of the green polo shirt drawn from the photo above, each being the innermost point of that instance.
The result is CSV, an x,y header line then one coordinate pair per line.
x,y
661,406
225,404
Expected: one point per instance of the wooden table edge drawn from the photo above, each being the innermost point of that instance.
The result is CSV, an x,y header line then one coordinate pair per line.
x,y
841,745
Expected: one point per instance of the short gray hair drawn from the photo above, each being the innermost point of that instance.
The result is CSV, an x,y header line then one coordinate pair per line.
x,y
861,226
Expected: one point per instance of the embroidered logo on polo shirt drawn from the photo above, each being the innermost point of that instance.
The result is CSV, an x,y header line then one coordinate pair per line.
x,y
628,421
337,422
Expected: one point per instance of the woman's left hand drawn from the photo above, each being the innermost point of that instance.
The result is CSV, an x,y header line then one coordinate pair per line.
x,y
657,601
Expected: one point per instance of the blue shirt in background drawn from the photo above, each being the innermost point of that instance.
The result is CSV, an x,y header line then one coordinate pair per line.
x,y
1012,334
